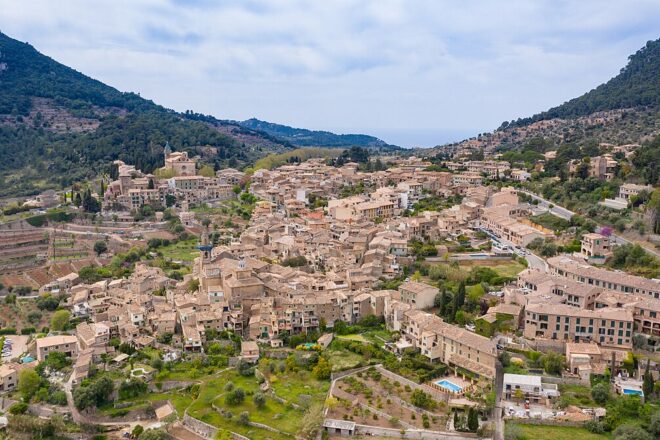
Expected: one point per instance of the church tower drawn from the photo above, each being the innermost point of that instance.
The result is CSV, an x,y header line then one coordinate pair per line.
x,y
166,151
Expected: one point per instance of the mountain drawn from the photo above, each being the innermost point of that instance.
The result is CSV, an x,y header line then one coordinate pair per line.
x,y
58,126
626,109
309,138
637,85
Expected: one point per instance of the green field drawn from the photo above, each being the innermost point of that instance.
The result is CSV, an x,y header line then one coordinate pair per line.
x,y
537,432
210,404
184,250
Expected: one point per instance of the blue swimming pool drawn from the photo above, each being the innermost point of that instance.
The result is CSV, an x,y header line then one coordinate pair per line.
x,y
449,385
632,392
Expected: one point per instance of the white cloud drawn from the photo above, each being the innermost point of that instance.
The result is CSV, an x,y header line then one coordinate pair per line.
x,y
373,66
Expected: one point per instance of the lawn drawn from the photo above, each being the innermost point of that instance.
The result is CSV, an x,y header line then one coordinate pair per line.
x,y
184,250
504,268
291,385
538,432
211,401
343,359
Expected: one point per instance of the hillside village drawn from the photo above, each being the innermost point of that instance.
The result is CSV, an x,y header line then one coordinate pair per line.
x,y
416,298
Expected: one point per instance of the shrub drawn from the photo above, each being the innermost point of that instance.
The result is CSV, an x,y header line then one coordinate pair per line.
x,y
235,397
18,408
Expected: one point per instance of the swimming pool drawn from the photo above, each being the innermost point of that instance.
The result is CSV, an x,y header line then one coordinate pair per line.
x,y
632,392
449,385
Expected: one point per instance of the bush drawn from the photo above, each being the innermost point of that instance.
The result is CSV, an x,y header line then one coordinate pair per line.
x,y
259,400
18,408
595,426
244,418
235,397
600,393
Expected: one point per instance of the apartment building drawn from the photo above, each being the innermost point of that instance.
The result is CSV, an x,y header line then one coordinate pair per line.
x,y
612,327
380,209
502,222
449,344
418,295
467,179
581,272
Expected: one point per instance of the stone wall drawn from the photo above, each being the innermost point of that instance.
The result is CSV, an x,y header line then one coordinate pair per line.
x,y
199,427
436,394
412,433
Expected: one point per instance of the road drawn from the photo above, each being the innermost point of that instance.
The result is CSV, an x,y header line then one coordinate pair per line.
x,y
559,211
567,214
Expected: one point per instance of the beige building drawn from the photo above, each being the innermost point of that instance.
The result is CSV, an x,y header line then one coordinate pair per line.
x,y
449,344
595,245
612,327
8,378
617,281
418,295
64,344
180,163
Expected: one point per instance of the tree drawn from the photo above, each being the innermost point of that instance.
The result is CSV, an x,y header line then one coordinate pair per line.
x,y
244,418
422,400
600,393
259,400
100,247
28,383
473,420
460,296
519,395
235,397
137,431
59,320
322,369
648,384
553,363
154,434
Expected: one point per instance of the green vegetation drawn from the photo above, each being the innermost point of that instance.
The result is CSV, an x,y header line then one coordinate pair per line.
x,y
634,259
36,156
540,432
637,85
310,138
298,155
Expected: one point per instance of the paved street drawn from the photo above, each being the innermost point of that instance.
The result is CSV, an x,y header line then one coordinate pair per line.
x,y
567,214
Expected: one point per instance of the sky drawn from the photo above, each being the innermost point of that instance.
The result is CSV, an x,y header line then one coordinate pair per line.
x,y
414,73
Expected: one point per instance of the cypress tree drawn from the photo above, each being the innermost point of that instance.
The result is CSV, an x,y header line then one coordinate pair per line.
x,y
472,420
648,384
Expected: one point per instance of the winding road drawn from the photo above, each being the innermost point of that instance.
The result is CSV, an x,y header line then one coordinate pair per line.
x,y
566,214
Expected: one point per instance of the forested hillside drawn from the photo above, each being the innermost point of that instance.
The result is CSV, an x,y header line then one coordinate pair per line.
x,y
58,126
310,138
637,85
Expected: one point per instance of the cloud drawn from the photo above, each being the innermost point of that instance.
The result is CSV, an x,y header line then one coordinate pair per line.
x,y
381,66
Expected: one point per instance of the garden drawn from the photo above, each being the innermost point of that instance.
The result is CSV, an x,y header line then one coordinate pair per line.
x,y
385,403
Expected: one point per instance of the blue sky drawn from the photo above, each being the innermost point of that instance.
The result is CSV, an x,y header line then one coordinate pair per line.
x,y
415,73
